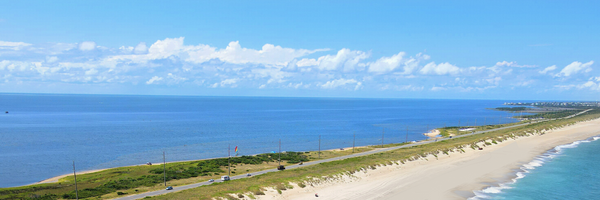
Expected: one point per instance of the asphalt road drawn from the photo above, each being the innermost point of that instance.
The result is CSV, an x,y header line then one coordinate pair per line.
x,y
185,187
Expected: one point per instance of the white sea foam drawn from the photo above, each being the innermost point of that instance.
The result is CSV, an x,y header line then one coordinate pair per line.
x,y
526,168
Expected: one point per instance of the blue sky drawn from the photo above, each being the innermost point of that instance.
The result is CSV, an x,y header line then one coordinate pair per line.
x,y
529,50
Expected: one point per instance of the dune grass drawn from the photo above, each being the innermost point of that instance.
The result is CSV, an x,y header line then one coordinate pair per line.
x,y
311,174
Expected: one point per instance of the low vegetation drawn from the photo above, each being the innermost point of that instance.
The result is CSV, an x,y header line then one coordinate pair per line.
x,y
512,109
332,170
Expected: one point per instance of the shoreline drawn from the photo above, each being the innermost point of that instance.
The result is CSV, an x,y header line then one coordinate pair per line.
x,y
527,168
453,176
55,179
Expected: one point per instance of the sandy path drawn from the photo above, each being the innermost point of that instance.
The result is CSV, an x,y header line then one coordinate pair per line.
x,y
55,179
450,177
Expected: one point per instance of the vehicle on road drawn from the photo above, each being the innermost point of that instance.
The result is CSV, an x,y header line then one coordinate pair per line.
x,y
225,178
211,180
280,167
248,174
169,188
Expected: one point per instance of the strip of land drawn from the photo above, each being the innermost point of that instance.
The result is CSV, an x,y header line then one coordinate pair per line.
x,y
275,185
452,176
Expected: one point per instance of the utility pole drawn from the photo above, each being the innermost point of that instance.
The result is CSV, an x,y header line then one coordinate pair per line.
x,y
520,114
164,168
406,135
229,160
75,176
382,133
319,146
353,141
279,159
484,121
475,122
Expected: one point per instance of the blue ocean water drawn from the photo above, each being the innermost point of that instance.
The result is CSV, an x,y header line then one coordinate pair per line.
x,y
566,172
42,133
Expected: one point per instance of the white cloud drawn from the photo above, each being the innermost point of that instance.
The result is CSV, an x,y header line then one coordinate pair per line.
x,y
164,48
512,64
524,83
51,59
154,79
307,62
436,88
87,46
590,84
295,86
341,82
387,64
495,80
548,69
441,69
345,60
229,82
175,78
13,45
575,68
409,87
233,53
94,71
140,48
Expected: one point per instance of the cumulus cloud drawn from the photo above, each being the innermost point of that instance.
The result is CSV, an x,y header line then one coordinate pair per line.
x,y
170,61
345,60
87,46
593,84
13,45
175,78
575,68
154,79
340,83
548,69
441,69
233,53
387,64
51,59
512,64
436,88
140,48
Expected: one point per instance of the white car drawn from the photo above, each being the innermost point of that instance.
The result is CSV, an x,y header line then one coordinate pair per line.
x,y
225,178
211,180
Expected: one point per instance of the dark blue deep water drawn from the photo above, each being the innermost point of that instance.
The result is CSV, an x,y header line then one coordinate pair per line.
x,y
42,134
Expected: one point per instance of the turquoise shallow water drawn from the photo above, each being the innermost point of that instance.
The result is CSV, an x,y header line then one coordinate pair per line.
x,y
569,171
43,134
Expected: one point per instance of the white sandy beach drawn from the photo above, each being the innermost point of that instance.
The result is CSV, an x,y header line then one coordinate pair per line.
x,y
452,176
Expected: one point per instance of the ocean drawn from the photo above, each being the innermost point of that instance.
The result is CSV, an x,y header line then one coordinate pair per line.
x,y
566,172
42,134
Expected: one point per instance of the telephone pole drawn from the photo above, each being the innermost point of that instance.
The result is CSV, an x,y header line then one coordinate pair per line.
x,y
406,135
75,176
319,146
279,159
382,133
164,168
229,160
353,141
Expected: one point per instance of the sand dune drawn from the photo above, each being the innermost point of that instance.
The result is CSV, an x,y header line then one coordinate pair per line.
x,y
452,176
